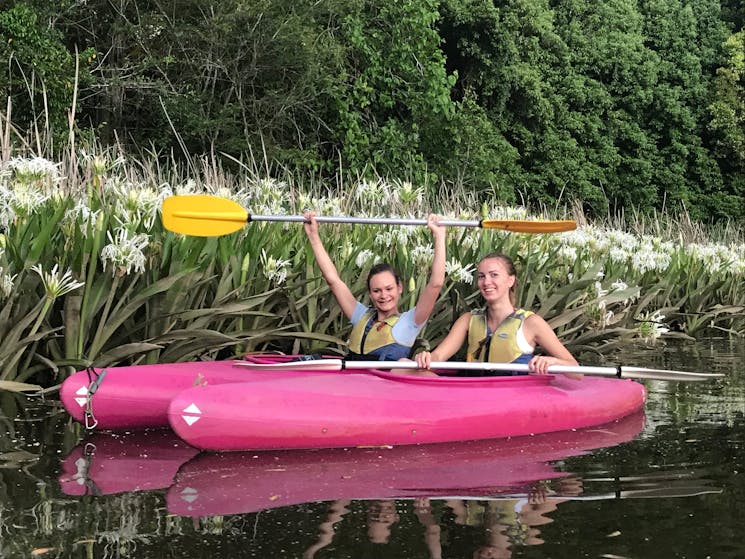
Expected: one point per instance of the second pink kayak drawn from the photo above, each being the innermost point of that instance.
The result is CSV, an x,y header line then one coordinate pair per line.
x,y
323,410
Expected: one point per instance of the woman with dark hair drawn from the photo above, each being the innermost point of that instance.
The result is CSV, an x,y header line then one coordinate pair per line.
x,y
380,332
501,332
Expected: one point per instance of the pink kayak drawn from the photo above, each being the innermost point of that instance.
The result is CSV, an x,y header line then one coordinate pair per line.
x,y
325,410
107,463
137,396
244,482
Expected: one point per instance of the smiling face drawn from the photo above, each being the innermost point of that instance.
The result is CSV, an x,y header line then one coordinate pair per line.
x,y
384,291
496,278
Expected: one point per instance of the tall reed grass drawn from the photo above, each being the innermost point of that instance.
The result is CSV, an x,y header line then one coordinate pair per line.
x,y
89,276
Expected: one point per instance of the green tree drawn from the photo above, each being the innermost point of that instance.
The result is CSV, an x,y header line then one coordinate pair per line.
x,y
394,96
39,70
727,125
606,82
503,53
685,39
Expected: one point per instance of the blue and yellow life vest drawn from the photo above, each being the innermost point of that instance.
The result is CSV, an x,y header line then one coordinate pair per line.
x,y
499,346
373,339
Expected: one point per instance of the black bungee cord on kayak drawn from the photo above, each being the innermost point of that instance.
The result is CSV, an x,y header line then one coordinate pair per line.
x,y
90,420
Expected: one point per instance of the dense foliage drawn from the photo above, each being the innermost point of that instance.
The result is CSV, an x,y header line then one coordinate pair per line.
x,y
614,104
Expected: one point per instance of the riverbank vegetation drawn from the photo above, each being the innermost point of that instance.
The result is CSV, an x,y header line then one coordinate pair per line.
x,y
89,275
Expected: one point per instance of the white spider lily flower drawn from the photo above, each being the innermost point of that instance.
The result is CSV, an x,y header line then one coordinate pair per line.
x,y
422,255
567,253
188,187
621,239
384,239
651,327
331,206
410,195
469,239
323,206
7,283
82,217
56,284
274,269
599,290
402,235
306,203
619,285
738,266
268,196
7,213
125,252
101,164
618,254
579,238
368,192
648,259
715,257
26,199
458,272
365,258
138,203
607,317
508,212
33,171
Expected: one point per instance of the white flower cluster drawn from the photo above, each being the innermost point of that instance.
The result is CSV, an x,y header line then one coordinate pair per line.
x,y
6,283
646,260
81,217
719,258
459,272
373,193
125,252
364,258
138,202
652,327
35,171
422,255
508,212
321,206
409,195
275,269
268,197
56,284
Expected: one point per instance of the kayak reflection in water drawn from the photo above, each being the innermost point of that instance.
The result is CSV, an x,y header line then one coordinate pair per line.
x,y
501,332
379,332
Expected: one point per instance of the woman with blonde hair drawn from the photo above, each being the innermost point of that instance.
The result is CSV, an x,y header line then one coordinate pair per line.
x,y
501,332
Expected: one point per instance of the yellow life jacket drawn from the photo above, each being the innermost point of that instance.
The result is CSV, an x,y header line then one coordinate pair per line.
x,y
371,339
501,345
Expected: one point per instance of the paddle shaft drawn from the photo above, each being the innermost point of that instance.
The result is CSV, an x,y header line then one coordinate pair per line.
x,y
618,372
365,220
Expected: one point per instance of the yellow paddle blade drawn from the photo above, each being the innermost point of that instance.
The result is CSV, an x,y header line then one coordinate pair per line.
x,y
525,226
201,215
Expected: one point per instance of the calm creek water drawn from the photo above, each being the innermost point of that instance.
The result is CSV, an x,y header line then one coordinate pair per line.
x,y
668,485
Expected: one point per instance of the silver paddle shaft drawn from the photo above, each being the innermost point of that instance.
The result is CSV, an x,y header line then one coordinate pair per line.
x,y
365,220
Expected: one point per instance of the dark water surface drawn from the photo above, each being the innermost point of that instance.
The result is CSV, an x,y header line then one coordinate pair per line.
x,y
669,484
